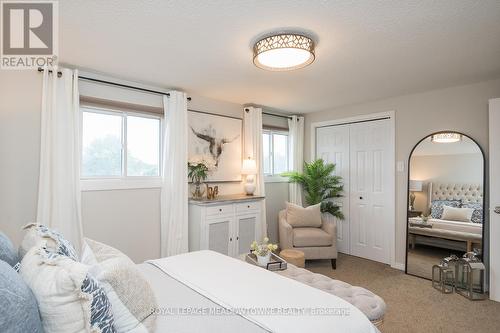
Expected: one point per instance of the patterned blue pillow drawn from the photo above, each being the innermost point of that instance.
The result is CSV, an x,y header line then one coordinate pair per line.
x,y
477,214
101,314
437,207
62,245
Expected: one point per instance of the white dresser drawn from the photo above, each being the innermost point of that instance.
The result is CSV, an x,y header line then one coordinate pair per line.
x,y
228,224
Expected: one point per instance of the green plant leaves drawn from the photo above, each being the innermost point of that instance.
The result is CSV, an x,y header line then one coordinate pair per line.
x,y
319,185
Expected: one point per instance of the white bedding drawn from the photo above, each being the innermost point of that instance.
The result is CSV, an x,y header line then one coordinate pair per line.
x,y
234,284
175,300
473,228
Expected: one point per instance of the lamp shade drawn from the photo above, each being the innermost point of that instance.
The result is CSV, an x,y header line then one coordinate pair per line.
x,y
416,185
249,167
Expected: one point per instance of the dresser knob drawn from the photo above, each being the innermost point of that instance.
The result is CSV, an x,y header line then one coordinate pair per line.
x,y
220,209
248,206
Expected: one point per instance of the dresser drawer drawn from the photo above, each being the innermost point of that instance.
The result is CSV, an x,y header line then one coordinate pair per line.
x,y
247,207
222,210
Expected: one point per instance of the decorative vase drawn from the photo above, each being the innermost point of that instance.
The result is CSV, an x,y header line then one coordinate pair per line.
x,y
198,190
264,260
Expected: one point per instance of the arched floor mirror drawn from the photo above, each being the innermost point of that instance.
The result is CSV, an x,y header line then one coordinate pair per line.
x,y
445,200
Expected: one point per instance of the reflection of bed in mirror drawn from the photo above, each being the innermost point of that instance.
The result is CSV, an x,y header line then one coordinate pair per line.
x,y
445,182
449,234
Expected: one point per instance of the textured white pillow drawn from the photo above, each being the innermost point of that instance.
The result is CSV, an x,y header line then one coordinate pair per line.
x,y
298,216
457,214
69,299
129,292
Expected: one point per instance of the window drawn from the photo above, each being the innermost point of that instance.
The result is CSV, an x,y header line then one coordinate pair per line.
x,y
275,151
119,144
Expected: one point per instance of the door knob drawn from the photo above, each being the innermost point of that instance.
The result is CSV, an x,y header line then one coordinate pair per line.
x,y
497,209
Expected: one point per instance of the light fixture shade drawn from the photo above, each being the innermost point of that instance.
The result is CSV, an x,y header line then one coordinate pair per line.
x,y
446,137
283,52
249,167
415,185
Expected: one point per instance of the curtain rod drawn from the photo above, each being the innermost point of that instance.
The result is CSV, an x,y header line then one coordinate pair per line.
x,y
273,114
59,74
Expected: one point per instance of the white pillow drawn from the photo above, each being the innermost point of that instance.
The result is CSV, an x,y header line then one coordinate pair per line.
x,y
298,216
69,299
457,214
129,292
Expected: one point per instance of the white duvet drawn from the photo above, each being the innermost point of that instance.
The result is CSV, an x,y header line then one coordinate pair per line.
x,y
275,303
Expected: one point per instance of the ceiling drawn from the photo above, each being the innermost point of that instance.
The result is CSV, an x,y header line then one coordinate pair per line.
x,y
366,50
465,146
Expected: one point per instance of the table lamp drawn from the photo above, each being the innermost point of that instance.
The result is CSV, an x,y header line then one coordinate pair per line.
x,y
249,168
415,186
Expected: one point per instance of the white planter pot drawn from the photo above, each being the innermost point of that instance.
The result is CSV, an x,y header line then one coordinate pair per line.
x,y
264,260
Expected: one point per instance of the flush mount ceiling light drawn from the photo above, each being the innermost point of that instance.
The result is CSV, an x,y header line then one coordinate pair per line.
x,y
283,52
447,137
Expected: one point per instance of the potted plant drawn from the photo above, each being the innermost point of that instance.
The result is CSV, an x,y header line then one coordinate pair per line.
x,y
198,169
320,185
263,251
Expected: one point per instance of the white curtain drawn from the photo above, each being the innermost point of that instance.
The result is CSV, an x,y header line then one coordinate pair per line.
x,y
296,155
252,124
59,196
174,192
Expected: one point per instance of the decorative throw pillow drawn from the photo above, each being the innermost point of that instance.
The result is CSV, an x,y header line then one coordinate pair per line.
x,y
477,215
457,214
298,216
130,294
69,298
437,207
7,252
18,307
53,240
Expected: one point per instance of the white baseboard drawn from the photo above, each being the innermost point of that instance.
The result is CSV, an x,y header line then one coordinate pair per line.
x,y
398,265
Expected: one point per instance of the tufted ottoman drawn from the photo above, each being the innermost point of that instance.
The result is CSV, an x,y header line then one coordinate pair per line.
x,y
370,304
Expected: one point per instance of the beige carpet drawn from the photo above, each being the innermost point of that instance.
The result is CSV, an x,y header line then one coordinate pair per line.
x,y
412,304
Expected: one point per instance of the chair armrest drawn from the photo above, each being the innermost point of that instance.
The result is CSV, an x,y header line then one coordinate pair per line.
x,y
329,226
285,232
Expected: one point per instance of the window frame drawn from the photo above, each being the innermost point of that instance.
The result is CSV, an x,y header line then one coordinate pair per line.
x,y
124,181
273,177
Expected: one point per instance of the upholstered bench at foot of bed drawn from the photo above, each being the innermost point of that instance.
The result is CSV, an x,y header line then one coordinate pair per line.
x,y
370,304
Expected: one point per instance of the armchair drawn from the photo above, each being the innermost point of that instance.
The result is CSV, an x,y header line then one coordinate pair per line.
x,y
316,243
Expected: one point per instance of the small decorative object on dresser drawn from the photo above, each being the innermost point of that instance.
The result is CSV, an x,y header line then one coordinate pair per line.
x,y
199,168
212,192
263,251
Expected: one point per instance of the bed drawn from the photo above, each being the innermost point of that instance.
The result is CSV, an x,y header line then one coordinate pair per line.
x,y
195,290
449,234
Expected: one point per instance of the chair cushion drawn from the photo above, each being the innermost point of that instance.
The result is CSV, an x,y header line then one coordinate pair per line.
x,y
306,237
18,307
7,251
299,217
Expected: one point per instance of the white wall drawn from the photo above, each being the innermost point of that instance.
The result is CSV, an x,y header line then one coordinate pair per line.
x,y
463,109
126,219
456,168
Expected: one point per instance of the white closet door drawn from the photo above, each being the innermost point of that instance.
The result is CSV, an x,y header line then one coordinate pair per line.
x,y
370,190
332,145
494,226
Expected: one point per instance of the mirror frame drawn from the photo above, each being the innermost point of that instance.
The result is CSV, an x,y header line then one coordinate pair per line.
x,y
408,195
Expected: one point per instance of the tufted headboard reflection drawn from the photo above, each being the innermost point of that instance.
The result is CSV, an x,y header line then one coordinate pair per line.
x,y
468,193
